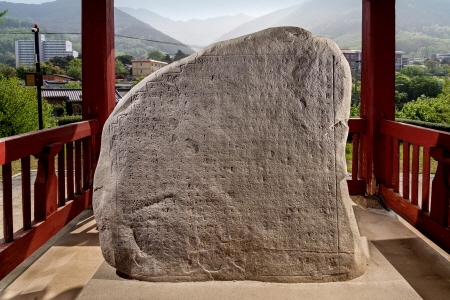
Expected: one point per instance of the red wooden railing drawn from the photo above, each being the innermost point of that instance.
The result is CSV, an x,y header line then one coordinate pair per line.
x,y
357,127
57,198
427,211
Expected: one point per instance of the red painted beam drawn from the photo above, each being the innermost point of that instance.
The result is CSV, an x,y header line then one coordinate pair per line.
x,y
377,85
97,30
416,135
23,145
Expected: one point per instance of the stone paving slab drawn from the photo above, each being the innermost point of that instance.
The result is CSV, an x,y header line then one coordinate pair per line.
x,y
381,281
395,271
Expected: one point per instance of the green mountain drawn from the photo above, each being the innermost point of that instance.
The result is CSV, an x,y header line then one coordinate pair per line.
x,y
64,16
423,27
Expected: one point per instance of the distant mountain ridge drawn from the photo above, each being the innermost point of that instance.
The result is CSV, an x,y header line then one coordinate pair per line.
x,y
423,26
65,16
260,23
192,32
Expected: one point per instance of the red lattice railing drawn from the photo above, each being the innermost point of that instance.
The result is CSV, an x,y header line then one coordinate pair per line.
x,y
407,189
60,193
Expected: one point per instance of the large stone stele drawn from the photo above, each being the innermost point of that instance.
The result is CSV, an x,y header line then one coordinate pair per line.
x,y
230,165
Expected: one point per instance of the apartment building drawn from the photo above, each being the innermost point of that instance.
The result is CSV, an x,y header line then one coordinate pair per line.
x,y
354,58
25,53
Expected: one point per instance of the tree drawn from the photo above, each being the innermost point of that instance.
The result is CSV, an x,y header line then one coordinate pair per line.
x,y
431,65
6,70
74,68
47,68
436,110
125,59
417,63
180,55
18,108
429,86
120,68
412,71
20,71
62,62
156,55
167,59
2,14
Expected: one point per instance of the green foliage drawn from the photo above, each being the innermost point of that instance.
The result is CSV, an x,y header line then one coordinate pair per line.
x,y
18,108
417,63
180,55
47,68
61,62
412,71
20,71
410,87
355,110
436,126
2,14
120,68
167,59
435,110
156,55
72,85
431,65
6,70
69,119
74,68
429,86
125,59
137,80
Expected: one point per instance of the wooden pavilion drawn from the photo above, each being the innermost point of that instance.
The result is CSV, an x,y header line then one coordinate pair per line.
x,y
376,139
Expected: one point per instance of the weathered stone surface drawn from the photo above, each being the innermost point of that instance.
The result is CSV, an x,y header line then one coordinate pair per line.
x,y
230,165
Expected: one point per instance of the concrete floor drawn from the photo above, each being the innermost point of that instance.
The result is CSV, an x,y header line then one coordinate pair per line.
x,y
403,265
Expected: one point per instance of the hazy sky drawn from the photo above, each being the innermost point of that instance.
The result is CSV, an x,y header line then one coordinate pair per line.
x,y
200,9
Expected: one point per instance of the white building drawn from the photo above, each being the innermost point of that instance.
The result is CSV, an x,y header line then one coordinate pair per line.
x,y
48,50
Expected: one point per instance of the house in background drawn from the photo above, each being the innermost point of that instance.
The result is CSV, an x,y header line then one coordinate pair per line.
x,y
352,56
58,77
145,67
399,60
441,57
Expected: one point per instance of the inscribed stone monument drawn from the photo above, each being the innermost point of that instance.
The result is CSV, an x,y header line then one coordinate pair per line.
x,y
230,165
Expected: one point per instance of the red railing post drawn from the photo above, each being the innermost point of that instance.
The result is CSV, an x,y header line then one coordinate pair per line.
x,y
46,184
440,196
377,86
7,203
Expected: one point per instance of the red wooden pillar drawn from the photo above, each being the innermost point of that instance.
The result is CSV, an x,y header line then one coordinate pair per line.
x,y
98,60
377,86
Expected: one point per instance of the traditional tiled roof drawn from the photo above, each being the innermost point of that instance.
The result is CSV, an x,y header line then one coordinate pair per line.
x,y
69,95
64,76
149,60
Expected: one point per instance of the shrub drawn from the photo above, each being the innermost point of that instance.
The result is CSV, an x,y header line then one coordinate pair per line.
x,y
69,119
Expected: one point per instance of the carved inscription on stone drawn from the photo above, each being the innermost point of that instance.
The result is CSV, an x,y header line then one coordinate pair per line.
x,y
230,165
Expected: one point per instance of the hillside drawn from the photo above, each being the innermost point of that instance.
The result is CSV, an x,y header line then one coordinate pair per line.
x,y
423,27
64,16
259,23
193,32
